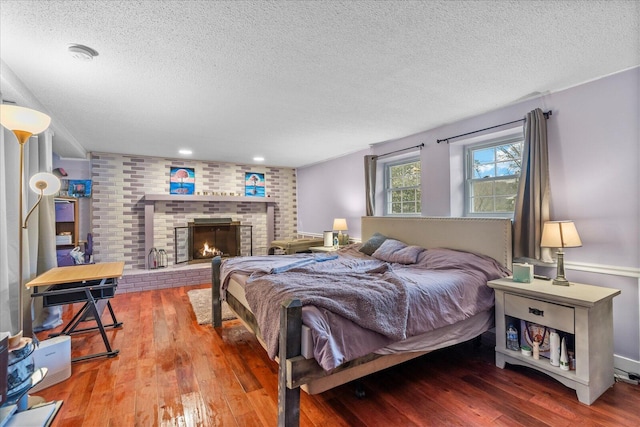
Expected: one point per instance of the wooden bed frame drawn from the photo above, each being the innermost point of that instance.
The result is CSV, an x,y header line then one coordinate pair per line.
x,y
487,236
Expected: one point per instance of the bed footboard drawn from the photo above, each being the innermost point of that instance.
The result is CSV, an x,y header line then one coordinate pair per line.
x,y
290,345
216,303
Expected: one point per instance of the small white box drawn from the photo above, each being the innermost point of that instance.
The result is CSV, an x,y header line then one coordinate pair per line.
x,y
55,355
63,239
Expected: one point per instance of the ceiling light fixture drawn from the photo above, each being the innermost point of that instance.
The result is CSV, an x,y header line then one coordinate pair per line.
x,y
81,52
185,152
258,159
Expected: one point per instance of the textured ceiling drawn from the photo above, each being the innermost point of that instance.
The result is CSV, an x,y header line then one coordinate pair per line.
x,y
294,81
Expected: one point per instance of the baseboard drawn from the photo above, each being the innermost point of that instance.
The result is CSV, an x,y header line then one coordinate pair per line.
x,y
626,364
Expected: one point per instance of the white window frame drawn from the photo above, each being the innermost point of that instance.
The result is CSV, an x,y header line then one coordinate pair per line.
x,y
387,189
468,173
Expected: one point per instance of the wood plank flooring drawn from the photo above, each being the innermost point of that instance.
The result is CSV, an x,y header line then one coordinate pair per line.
x,y
173,372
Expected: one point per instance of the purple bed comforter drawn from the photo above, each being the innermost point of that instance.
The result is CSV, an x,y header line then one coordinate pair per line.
x,y
355,304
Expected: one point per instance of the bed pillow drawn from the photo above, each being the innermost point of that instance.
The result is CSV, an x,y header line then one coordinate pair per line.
x,y
450,259
371,245
393,250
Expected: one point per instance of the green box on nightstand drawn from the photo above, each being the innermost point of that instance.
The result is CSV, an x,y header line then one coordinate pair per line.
x,y
523,273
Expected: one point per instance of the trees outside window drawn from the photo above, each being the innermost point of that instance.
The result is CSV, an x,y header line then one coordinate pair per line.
x,y
402,187
492,176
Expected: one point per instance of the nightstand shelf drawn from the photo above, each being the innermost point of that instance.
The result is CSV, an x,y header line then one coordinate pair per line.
x,y
584,311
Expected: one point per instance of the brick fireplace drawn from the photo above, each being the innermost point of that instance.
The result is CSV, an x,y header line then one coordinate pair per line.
x,y
238,201
128,189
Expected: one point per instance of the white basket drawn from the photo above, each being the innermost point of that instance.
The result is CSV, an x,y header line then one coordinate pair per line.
x,y
63,240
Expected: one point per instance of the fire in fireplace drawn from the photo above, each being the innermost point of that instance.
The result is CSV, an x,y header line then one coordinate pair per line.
x,y
205,238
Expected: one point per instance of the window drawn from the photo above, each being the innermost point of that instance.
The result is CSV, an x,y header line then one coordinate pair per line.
x,y
402,187
492,175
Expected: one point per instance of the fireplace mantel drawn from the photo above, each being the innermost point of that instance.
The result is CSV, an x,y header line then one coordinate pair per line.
x,y
151,199
194,198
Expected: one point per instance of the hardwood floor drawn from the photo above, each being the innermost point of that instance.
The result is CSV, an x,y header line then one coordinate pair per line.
x,y
173,372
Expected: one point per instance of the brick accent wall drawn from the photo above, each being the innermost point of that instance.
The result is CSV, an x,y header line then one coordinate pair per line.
x,y
121,181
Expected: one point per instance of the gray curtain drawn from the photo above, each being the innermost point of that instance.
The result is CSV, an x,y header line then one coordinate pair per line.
x,y
370,164
9,290
532,201
45,317
39,238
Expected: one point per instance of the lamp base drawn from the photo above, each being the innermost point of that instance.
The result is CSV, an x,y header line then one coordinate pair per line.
x,y
561,281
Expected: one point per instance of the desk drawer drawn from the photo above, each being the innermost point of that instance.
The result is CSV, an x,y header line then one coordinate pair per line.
x,y
69,293
536,311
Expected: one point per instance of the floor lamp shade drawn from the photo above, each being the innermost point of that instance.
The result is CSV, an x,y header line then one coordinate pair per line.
x,y
44,183
21,120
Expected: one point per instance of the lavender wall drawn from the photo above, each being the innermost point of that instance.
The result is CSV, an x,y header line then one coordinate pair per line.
x,y
594,162
328,190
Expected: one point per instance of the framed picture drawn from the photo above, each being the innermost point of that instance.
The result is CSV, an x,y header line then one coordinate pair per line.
x,y
79,188
254,184
182,180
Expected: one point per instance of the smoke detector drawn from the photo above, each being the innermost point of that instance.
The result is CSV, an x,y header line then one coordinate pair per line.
x,y
81,52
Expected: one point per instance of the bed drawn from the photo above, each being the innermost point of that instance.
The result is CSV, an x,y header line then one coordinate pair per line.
x,y
389,339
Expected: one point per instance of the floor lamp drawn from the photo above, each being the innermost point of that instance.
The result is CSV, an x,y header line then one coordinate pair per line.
x,y
24,123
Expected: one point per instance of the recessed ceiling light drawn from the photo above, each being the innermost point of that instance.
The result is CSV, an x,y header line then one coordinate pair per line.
x,y
185,151
258,159
81,52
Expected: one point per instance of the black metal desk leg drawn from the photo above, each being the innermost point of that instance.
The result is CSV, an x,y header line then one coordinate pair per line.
x,y
115,323
92,306
71,326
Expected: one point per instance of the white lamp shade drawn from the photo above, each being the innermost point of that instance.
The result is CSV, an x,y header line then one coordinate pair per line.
x,y
340,224
44,182
560,234
23,119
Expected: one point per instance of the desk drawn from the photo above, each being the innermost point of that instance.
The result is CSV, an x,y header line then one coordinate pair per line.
x,y
86,283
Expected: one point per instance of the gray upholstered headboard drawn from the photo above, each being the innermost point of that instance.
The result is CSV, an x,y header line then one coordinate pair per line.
x,y
487,236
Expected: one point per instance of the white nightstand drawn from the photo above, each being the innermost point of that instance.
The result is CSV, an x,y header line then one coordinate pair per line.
x,y
581,310
322,249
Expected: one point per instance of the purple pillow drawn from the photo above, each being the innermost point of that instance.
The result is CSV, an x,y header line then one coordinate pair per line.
x,y
393,250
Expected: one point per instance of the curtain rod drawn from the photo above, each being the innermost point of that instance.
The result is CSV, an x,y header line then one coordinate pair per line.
x,y
546,116
397,151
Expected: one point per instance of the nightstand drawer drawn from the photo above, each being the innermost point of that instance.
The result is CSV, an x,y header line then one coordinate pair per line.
x,y
544,313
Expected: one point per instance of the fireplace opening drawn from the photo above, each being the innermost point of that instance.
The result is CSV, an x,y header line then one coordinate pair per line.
x,y
205,238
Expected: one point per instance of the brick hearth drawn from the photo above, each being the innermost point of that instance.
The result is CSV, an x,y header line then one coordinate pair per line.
x,y
170,277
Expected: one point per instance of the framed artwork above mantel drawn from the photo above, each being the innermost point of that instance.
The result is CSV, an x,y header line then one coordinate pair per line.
x,y
182,180
254,184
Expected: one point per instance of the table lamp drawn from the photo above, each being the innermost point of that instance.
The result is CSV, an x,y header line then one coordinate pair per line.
x,y
340,225
560,234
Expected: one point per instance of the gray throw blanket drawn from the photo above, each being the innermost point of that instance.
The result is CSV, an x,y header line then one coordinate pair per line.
x,y
373,299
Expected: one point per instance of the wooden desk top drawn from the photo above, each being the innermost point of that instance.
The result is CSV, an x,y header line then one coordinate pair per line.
x,y
78,273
